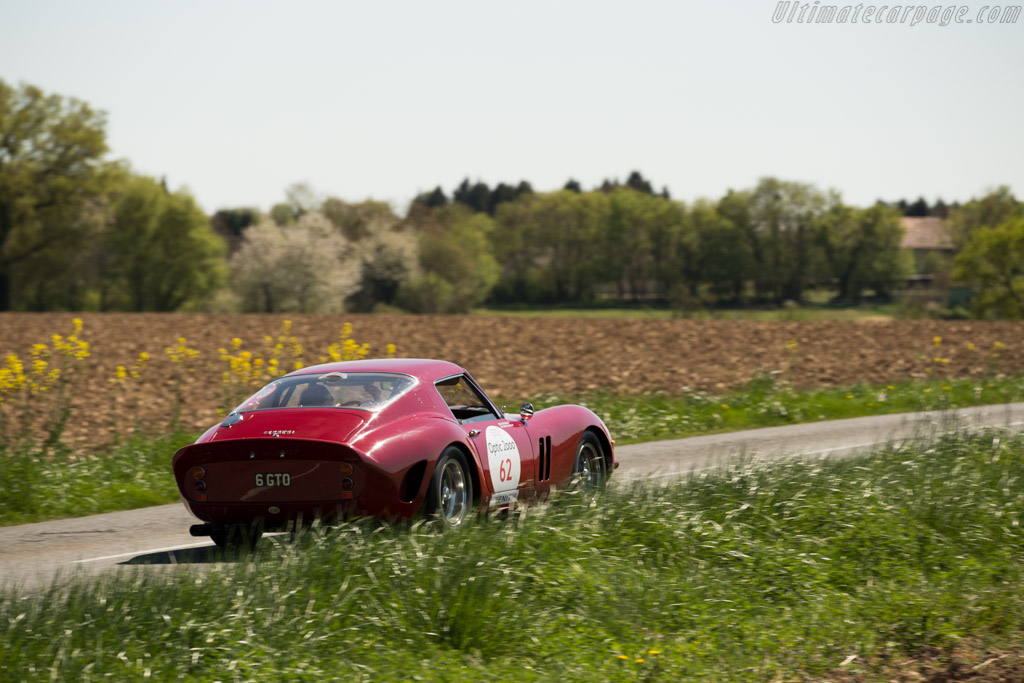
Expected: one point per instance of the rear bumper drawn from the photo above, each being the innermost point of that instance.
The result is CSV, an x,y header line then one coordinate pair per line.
x,y
277,517
278,481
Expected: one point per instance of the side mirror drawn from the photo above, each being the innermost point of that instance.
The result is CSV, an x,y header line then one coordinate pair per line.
x,y
525,411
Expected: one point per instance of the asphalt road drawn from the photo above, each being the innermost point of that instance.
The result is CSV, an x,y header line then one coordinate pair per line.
x,y
35,555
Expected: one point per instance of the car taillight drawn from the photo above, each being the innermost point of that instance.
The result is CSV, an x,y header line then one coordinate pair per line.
x,y
199,484
348,484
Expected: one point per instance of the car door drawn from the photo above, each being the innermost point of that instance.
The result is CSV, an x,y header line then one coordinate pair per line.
x,y
503,445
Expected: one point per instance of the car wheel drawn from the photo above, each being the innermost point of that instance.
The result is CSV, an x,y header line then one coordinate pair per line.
x,y
588,470
236,535
450,496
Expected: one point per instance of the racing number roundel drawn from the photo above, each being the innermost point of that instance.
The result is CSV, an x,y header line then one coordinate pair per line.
x,y
503,459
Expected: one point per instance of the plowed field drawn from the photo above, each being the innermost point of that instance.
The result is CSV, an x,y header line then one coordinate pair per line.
x,y
513,358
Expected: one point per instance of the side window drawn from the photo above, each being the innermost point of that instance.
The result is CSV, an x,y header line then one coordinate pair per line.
x,y
466,404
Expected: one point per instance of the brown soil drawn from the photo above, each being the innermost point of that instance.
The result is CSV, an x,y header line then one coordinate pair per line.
x,y
976,666
518,358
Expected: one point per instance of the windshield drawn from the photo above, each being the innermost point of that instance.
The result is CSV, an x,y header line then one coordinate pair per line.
x,y
363,390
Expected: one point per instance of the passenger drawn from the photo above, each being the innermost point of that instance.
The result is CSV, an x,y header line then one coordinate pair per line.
x,y
316,395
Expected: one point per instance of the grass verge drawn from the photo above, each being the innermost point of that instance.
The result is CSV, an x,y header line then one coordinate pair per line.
x,y
808,312
751,572
37,486
766,401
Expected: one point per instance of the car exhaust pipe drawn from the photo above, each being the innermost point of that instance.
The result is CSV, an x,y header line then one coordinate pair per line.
x,y
200,529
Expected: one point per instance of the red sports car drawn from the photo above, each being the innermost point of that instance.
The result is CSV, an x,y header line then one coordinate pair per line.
x,y
381,438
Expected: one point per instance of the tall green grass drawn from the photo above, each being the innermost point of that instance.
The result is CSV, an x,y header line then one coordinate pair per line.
x,y
751,572
767,401
39,483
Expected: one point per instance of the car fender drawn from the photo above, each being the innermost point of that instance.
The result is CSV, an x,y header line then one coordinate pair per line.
x,y
565,425
399,446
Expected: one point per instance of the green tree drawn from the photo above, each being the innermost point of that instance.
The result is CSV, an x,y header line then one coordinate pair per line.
x,y
723,260
501,194
455,249
939,209
518,247
432,199
637,182
51,170
429,293
161,250
389,258
359,220
781,232
734,210
992,262
386,248
283,214
552,241
991,210
68,274
476,196
639,241
918,208
862,249
231,223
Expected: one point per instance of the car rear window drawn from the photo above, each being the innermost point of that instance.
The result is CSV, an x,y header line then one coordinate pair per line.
x,y
361,390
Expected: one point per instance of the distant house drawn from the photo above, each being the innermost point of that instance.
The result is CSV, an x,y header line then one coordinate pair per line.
x,y
930,241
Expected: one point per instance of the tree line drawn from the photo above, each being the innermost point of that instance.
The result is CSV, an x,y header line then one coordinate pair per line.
x,y
79,232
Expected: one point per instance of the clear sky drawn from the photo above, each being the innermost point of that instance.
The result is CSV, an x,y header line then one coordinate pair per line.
x,y
385,99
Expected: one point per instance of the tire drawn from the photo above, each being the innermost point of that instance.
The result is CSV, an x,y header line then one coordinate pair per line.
x,y
450,496
236,536
589,469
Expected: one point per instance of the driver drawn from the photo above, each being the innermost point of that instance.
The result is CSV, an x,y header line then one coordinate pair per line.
x,y
373,391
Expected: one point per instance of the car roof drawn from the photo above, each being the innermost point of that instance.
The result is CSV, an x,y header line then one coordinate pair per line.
x,y
420,368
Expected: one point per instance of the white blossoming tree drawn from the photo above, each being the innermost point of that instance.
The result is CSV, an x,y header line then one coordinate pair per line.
x,y
308,267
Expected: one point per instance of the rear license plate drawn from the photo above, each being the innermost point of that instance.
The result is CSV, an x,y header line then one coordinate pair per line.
x,y
273,479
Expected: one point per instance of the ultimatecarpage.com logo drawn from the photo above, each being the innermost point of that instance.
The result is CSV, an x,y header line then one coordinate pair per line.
x,y
789,12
